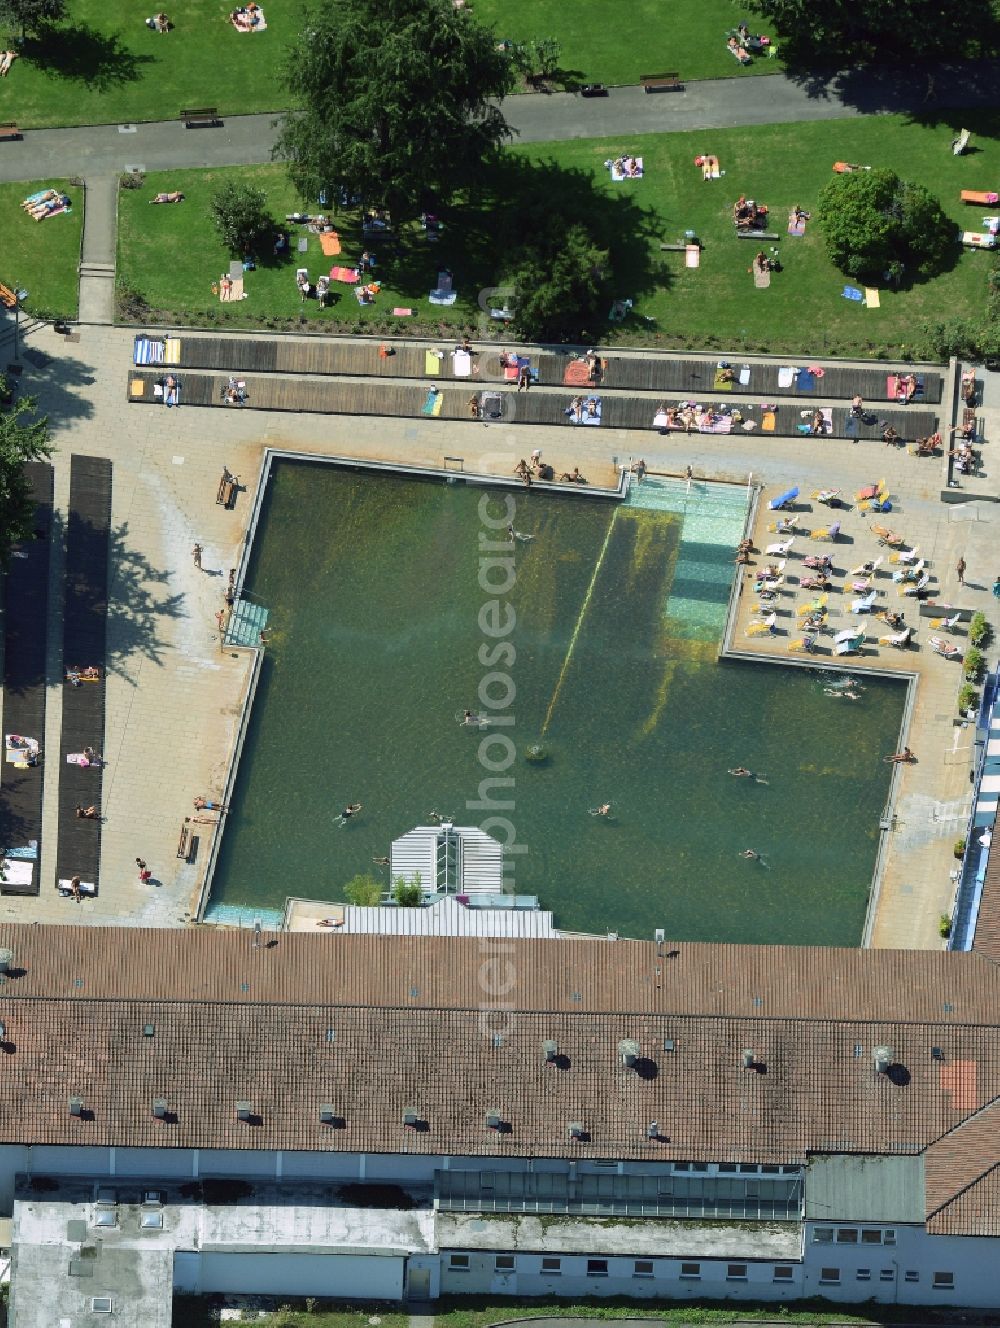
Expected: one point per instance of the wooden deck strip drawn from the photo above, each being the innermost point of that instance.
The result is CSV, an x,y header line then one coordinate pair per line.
x,y
623,373
325,396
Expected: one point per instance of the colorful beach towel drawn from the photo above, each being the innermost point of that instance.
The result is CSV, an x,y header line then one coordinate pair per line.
x,y
796,227
768,421
872,300
576,374
402,313
346,274
721,384
618,175
443,296
852,293
432,362
147,350
329,242
172,350
433,402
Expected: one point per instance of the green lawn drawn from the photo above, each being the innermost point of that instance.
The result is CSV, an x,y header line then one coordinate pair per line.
x,y
103,65
602,42
41,257
172,255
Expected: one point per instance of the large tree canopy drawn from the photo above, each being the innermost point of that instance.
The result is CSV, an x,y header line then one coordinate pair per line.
x,y
842,32
394,102
29,15
21,440
875,224
560,287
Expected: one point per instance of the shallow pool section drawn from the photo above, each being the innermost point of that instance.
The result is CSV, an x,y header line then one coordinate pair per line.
x,y
380,638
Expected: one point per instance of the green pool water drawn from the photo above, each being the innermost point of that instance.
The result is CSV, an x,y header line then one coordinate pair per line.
x,y
372,582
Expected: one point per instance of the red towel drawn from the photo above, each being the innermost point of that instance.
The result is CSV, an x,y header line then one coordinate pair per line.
x,y
348,274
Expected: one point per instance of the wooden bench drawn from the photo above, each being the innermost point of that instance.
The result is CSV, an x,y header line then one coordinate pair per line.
x,y
206,117
9,130
669,82
758,235
227,489
7,296
184,843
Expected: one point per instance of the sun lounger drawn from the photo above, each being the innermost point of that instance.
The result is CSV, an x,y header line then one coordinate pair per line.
x,y
979,239
959,144
981,197
433,402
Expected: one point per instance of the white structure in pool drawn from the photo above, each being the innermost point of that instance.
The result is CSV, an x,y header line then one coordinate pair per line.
x,y
449,859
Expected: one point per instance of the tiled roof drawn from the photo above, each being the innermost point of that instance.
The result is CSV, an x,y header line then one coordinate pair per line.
x,y
975,1211
957,1169
575,976
454,1027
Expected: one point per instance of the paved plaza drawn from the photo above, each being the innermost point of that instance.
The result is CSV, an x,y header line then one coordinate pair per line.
x,y
175,695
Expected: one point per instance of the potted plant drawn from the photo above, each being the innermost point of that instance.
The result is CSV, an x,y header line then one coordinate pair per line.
x,y
979,630
972,664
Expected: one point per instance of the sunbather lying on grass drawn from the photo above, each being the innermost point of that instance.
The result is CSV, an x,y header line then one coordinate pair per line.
x,y
36,200
7,58
175,196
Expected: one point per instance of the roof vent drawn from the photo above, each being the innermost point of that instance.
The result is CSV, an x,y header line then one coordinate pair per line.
x,y
937,1054
411,1118
6,960
3,1032
653,1130
160,1108
244,1111
576,1131
550,1051
327,1114
494,1120
149,1030
76,1106
882,1057
629,1050
660,935
749,1059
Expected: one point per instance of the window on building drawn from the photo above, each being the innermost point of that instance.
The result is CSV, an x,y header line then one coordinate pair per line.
x,y
727,1168
606,1162
790,1171
736,1272
822,1235
886,1275
597,1267
690,1270
459,1263
748,1168
870,1236
847,1235
888,1236
944,1282
864,1274
782,1272
504,1263
911,1275
643,1268
553,1266
699,1166
768,1170
829,1277
682,1166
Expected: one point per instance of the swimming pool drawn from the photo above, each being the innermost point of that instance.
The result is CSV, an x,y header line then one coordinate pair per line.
x,y
375,588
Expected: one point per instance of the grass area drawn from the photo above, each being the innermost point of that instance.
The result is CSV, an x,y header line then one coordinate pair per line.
x,y
41,257
103,65
476,1312
601,44
172,253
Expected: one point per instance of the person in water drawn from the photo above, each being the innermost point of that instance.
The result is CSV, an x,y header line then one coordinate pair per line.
x,y
603,810
350,810
750,854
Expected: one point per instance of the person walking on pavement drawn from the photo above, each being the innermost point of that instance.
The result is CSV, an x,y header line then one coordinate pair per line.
x,y
996,588
144,872
960,570
196,553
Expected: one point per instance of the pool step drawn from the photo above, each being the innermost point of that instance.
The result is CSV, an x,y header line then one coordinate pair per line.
x,y
246,622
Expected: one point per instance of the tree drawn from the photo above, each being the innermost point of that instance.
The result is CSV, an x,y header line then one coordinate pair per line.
x,y
560,290
21,440
408,894
364,890
393,101
30,15
843,32
876,224
241,216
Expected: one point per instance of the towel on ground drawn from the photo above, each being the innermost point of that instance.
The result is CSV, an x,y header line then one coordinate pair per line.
x,y
432,362
761,279
851,426
744,378
721,384
433,402
147,350
348,274
172,350
979,239
660,420
232,291
692,255
443,296
852,293
804,381
991,224
586,417
796,227
259,26
786,376
461,363
329,242
402,313
445,281
768,421
576,374
872,299
78,758
720,424
709,166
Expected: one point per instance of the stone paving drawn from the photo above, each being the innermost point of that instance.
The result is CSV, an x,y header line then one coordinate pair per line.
x,y
174,696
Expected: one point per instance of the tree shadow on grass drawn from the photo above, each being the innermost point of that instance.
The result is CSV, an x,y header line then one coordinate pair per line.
x,y
82,54
517,202
896,86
